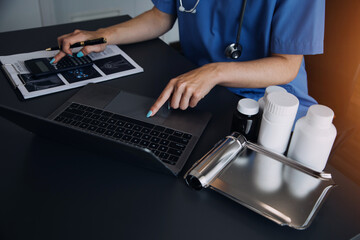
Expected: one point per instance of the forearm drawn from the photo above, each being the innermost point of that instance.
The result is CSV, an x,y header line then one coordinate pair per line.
x,y
148,25
274,70
189,88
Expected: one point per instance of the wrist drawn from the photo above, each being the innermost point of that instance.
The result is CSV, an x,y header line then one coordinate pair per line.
x,y
105,33
218,70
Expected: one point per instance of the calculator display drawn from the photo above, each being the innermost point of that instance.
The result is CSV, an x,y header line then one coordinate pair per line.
x,y
42,66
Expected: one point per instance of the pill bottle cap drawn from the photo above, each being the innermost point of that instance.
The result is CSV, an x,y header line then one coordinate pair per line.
x,y
320,116
248,106
271,89
281,105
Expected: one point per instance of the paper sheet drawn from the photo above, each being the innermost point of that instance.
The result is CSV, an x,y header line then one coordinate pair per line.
x,y
109,64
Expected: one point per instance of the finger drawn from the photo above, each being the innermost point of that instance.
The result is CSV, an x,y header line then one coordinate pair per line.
x,y
67,40
62,37
164,96
61,54
93,48
57,57
80,54
65,45
175,100
177,94
195,98
185,98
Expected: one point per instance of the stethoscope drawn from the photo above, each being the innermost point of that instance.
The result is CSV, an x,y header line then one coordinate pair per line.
x,y
192,10
234,49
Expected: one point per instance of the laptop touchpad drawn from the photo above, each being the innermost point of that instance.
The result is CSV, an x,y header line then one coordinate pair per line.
x,y
137,106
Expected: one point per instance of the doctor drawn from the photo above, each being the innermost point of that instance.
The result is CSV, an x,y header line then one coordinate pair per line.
x,y
243,45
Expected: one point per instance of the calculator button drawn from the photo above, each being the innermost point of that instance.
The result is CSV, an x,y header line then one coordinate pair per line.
x,y
74,62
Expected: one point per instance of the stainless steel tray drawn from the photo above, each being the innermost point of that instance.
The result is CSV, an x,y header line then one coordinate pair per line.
x,y
270,184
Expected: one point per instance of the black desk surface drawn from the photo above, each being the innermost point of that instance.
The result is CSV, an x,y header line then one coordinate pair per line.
x,y
50,190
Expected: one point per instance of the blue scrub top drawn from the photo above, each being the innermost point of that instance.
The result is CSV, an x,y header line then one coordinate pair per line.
x,y
269,26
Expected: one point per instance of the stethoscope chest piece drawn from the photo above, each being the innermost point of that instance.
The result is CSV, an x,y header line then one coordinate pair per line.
x,y
233,51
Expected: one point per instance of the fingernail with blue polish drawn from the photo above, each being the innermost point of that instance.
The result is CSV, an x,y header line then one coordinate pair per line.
x,y
52,60
70,55
80,54
149,114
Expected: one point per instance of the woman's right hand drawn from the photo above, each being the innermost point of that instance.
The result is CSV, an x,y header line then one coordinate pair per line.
x,y
78,36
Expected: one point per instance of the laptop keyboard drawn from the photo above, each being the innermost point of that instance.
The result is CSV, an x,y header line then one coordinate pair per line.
x,y
166,143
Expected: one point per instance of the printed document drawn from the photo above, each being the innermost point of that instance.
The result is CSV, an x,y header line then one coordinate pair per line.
x,y
110,64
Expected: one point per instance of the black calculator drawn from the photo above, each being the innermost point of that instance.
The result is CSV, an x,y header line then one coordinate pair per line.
x,y
40,67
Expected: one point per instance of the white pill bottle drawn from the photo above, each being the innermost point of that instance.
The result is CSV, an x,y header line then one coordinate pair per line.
x,y
262,101
275,130
277,121
313,138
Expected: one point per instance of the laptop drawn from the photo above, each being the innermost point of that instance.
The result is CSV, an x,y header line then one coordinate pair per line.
x,y
114,122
